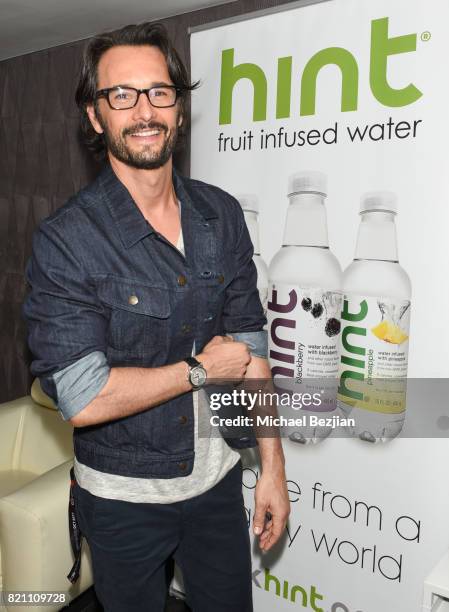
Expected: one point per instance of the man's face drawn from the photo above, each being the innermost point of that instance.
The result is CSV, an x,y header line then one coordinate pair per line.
x,y
143,136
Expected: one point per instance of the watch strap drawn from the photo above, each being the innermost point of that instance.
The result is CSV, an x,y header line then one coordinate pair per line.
x,y
192,362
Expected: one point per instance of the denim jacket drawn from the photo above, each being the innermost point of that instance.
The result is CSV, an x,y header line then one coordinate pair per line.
x,y
108,290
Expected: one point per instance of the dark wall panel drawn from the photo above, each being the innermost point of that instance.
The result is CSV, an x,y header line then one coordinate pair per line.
x,y
43,162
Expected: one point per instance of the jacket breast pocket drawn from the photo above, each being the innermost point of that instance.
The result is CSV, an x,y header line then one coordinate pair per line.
x,y
139,315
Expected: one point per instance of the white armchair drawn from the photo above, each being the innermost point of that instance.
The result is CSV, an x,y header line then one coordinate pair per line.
x,y
36,453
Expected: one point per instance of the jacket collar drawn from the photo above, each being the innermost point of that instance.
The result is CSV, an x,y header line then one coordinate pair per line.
x,y
131,224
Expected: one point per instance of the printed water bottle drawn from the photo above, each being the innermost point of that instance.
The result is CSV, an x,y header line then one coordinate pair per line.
x,y
304,304
375,325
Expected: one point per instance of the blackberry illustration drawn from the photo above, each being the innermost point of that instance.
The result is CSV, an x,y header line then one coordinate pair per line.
x,y
317,310
306,304
332,327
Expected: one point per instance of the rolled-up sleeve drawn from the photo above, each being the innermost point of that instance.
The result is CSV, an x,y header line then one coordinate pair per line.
x,y
66,323
79,383
257,342
243,314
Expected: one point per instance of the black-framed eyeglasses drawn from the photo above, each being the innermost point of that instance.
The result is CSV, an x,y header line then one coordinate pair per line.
x,y
122,98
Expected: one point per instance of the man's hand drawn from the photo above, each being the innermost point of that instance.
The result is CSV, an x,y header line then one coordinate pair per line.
x,y
225,359
271,493
271,496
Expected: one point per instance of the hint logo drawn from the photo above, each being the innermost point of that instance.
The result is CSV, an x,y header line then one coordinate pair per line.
x,y
281,588
353,355
285,349
382,47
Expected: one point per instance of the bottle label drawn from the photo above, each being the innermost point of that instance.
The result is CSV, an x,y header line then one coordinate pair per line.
x,y
374,353
304,328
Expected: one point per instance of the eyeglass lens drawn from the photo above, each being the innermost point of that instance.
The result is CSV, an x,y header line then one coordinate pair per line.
x,y
123,97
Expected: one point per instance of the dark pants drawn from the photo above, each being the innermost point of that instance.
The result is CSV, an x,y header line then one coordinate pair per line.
x,y
207,535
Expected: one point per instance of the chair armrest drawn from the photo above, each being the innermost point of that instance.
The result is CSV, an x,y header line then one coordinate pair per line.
x,y
35,542
11,415
33,438
46,440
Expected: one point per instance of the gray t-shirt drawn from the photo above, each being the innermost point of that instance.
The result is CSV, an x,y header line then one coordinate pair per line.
x,y
213,460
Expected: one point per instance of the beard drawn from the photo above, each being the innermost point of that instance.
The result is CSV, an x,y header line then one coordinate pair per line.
x,y
148,157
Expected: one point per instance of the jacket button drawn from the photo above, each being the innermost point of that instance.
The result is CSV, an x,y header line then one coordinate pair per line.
x,y
182,280
182,466
183,419
186,328
221,278
133,300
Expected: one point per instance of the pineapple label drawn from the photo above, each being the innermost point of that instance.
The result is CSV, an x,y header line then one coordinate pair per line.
x,y
374,353
304,328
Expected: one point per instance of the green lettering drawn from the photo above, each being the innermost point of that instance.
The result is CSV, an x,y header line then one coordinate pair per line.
x,y
296,589
354,316
284,87
355,363
352,348
381,48
230,75
343,389
269,578
350,79
313,597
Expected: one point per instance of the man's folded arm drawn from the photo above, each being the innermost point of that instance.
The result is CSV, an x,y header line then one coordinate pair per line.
x,y
67,330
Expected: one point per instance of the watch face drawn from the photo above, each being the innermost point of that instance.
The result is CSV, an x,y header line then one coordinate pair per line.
x,y
198,376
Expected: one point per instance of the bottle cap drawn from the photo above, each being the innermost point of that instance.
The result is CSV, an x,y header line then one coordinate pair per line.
x,y
311,181
379,200
248,202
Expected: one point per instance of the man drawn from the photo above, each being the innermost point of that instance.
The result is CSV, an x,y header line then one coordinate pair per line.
x,y
129,279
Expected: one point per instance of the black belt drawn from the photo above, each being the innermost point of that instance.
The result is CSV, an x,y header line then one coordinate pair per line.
x,y
76,536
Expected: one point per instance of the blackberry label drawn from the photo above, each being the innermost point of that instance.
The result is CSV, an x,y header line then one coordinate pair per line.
x,y
304,330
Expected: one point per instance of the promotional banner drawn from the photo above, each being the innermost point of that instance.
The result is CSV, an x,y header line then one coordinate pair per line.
x,y
329,123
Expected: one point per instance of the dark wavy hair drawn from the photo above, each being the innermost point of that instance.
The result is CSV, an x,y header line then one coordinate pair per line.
x,y
153,34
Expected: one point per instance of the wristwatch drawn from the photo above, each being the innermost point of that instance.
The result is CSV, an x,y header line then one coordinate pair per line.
x,y
197,375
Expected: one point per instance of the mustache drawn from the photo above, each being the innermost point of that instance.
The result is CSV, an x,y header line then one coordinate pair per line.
x,y
152,125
